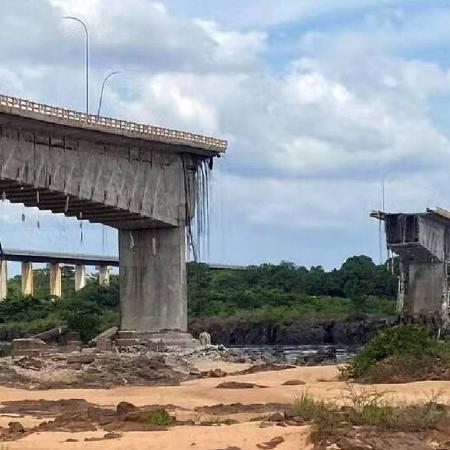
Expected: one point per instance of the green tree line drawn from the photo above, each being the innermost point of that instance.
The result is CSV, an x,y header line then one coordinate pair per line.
x,y
274,292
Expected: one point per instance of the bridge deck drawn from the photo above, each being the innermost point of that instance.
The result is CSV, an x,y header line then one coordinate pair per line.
x,y
63,116
62,258
37,256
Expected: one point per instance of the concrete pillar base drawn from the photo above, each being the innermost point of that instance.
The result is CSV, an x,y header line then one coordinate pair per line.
x,y
157,340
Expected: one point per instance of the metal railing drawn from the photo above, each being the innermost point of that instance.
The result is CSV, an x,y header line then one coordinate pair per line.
x,y
146,131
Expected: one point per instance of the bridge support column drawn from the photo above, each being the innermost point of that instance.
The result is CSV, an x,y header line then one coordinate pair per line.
x,y
153,279
80,276
103,275
3,279
27,278
55,280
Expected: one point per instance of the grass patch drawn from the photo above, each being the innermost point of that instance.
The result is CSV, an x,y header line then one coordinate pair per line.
x,y
160,418
366,409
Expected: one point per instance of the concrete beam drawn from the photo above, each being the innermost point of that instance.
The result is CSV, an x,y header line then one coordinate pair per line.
x,y
55,280
153,279
27,278
80,276
103,275
3,279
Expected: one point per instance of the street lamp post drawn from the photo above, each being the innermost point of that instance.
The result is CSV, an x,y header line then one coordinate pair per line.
x,y
86,33
103,88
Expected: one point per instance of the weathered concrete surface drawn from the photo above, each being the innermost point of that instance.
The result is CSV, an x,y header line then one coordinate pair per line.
x,y
153,279
119,185
425,288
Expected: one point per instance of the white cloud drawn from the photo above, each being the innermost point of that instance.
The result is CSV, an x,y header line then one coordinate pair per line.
x,y
310,139
268,13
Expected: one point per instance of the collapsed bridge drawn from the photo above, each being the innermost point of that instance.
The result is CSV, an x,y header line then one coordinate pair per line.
x,y
422,243
142,180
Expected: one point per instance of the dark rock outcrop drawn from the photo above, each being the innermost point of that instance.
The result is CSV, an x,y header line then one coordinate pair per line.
x,y
353,332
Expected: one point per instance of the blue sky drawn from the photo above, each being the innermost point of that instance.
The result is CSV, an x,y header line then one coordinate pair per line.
x,y
321,100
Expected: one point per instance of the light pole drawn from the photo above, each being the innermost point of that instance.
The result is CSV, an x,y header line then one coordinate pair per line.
x,y
103,88
86,33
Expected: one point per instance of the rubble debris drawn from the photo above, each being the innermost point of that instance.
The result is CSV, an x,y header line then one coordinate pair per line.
x,y
204,338
91,370
28,346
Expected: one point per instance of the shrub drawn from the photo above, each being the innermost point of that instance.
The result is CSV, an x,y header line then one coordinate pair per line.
x,y
307,407
159,418
367,409
396,341
326,419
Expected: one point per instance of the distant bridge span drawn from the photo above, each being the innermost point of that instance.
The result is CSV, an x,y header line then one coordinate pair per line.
x,y
56,259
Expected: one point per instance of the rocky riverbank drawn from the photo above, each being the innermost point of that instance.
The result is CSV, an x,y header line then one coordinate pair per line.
x,y
351,332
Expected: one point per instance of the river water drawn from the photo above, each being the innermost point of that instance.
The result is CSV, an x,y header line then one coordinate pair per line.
x,y
291,352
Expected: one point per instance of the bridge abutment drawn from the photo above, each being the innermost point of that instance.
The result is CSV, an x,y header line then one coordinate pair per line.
x,y
153,279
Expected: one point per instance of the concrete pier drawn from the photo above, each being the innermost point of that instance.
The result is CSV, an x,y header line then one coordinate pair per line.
x,y
3,279
27,278
55,280
103,275
153,279
80,276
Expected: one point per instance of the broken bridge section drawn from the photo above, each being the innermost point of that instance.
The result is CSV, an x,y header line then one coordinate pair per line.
x,y
422,243
140,179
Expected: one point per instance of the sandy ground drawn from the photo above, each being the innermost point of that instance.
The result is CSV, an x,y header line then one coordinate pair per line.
x,y
321,382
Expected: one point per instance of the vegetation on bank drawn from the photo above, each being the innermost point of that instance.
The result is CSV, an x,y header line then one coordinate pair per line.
x,y
88,311
401,354
278,294
366,411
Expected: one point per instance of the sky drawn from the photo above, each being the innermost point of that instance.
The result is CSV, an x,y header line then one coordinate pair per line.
x,y
322,102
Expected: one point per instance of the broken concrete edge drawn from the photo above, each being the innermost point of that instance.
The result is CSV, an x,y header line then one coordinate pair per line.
x,y
152,341
53,332
157,341
110,333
